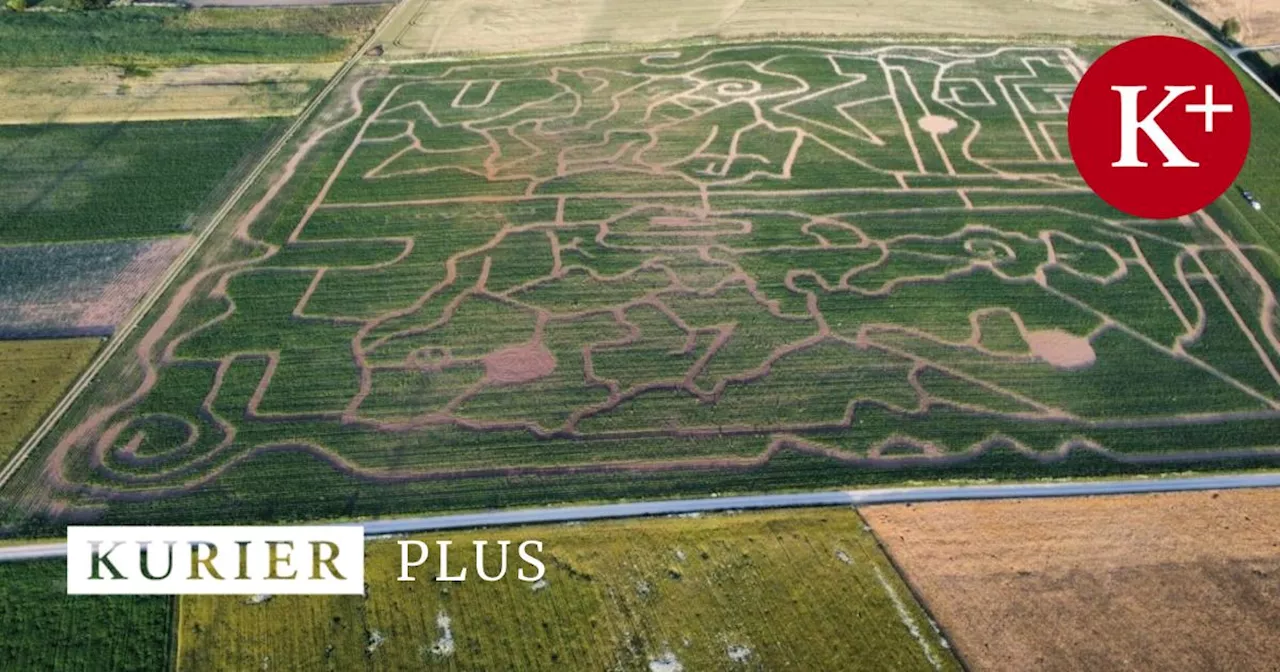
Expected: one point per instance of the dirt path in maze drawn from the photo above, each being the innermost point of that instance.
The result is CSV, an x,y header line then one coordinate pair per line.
x,y
525,362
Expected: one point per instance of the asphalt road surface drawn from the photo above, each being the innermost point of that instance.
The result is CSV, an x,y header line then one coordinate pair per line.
x,y
1246,48
565,514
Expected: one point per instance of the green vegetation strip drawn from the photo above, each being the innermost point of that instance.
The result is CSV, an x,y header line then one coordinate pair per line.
x,y
48,630
109,181
798,589
1261,175
162,36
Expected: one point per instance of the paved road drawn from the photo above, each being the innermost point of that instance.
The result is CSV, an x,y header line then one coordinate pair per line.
x,y
33,552
1241,50
825,498
564,514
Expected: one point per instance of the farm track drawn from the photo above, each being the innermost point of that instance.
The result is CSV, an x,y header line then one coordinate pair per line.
x,y
125,329
865,497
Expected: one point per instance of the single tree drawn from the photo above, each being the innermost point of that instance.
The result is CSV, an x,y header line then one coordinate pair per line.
x,y
1231,27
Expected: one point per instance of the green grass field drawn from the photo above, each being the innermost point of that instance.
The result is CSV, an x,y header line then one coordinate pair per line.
x,y
162,37
33,375
110,181
801,589
46,629
734,267
1258,176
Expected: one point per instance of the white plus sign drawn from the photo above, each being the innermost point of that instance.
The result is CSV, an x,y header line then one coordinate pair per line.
x,y
1207,108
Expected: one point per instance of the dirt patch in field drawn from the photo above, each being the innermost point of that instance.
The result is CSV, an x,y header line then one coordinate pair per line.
x,y
1259,19
1185,581
490,26
519,364
1061,349
108,93
936,124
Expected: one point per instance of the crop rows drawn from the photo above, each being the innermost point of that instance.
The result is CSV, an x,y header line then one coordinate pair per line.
x,y
800,589
77,288
46,629
733,267
78,182
32,376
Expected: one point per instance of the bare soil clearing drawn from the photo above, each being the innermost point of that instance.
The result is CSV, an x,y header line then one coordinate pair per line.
x,y
90,94
519,364
937,125
1181,581
493,26
1061,349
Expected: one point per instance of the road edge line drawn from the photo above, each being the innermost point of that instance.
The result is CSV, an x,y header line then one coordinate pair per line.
x,y
396,527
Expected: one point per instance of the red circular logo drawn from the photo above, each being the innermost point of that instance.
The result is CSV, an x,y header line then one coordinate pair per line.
x,y
1159,127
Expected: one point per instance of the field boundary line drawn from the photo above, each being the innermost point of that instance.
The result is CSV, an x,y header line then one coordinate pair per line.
x,y
125,330
674,507
918,596
173,642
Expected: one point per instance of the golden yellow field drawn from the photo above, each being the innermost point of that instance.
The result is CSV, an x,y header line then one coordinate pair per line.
x,y
90,94
33,375
1259,19
492,26
799,590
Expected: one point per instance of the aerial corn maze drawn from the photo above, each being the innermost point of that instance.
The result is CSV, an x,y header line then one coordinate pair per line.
x,y
704,269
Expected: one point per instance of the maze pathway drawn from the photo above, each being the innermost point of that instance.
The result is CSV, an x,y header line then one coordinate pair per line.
x,y
697,259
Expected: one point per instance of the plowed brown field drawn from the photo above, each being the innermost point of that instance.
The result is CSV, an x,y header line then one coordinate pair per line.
x,y
1187,581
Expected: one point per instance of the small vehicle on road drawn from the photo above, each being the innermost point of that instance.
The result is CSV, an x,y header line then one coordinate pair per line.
x,y
1248,197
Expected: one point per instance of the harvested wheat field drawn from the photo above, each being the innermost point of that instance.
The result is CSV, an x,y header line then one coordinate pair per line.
x,y
1259,19
94,94
1184,581
33,375
494,26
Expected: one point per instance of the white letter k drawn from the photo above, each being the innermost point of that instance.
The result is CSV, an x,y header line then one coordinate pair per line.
x,y
1129,127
